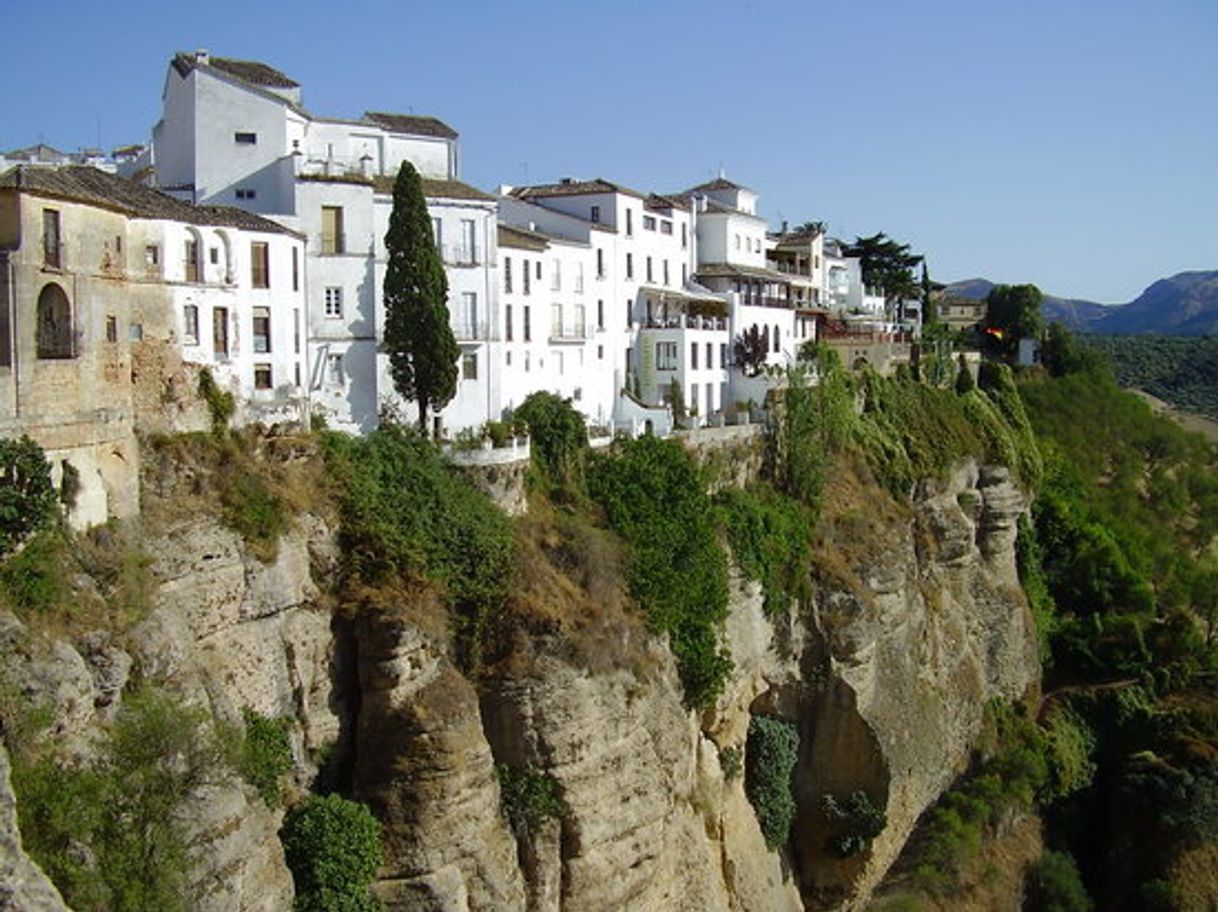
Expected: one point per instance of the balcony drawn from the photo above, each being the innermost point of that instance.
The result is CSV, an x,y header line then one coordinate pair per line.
x,y
470,331
568,335
713,324
459,255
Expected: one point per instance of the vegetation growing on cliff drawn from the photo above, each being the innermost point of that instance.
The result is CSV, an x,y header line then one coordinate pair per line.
x,y
333,847
770,755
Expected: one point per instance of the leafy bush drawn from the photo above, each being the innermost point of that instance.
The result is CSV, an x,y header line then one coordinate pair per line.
x,y
333,847
250,507
559,436
810,424
35,580
529,796
109,833
859,822
405,514
28,501
652,495
220,403
772,752
1055,885
731,761
769,534
264,754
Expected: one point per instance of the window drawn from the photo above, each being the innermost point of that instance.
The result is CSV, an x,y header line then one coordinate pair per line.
x,y
556,276
469,366
737,242
666,272
629,222
649,223
262,330
684,273
723,354
596,213
437,232
190,324
581,321
776,346
539,270
135,332
219,332
152,259
649,269
579,277
52,246
468,254
213,255
295,269
693,355
191,255
260,265
600,314
334,370
469,315
666,227
526,275
246,193
507,322
528,330
55,336
600,353
710,356
684,235
262,376
332,239
334,303
296,334
630,265
666,356
600,263
507,275
111,328
556,320
245,139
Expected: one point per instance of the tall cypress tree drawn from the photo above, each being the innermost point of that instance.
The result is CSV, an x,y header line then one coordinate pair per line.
x,y
422,350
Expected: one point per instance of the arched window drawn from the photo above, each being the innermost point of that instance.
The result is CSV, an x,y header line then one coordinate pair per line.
x,y
55,336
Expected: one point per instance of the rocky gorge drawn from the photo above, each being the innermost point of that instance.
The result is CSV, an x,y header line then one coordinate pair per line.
x,y
916,619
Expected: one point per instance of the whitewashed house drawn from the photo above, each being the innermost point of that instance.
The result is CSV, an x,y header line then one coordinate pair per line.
x,y
236,132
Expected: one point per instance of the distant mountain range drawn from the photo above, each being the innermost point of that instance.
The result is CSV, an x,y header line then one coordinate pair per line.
x,y
1183,305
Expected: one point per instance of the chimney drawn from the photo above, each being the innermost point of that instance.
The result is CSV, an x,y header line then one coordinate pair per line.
x,y
202,56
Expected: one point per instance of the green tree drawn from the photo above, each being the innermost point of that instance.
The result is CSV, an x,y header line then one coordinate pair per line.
x,y
887,265
333,847
750,351
27,497
1014,312
422,350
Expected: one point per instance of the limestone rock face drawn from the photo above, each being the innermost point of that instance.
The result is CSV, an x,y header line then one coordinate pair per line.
x,y
23,886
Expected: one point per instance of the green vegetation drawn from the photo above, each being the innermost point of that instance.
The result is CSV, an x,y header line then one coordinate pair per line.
x,y
731,761
529,796
1014,312
1056,886
405,515
769,536
887,265
262,754
1180,370
859,822
654,498
423,352
333,847
558,436
27,497
810,426
109,832
220,403
771,754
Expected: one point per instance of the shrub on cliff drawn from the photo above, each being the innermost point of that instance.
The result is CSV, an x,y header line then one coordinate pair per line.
x,y
559,437
769,535
27,498
654,497
405,514
333,847
770,756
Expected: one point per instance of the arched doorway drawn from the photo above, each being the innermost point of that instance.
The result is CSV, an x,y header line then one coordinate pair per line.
x,y
54,331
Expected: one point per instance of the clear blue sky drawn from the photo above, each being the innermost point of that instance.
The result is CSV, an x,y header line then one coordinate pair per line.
x,y
1070,144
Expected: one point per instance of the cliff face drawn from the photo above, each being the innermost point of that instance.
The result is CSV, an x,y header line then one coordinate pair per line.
x,y
917,620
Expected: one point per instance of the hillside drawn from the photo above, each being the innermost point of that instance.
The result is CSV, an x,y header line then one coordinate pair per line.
x,y
1185,304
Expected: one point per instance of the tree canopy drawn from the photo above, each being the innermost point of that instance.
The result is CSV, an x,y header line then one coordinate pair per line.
x,y
887,265
418,337
750,350
1013,313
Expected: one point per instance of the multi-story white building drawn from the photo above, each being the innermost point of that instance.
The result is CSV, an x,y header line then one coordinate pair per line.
x,y
236,132
109,291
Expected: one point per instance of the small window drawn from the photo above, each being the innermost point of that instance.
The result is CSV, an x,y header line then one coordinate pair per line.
x,y
507,323
334,303
111,328
245,139
52,244
649,223
262,376
190,327
152,256
246,193
630,266
214,255
528,330
629,222
666,356
649,279
135,332
334,370
600,314
693,355
469,366
507,275
295,269
260,265
262,330
332,239
219,332
191,257
665,227
539,270
600,353
596,213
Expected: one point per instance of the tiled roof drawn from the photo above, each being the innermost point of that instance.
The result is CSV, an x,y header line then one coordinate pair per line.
x,y
661,203
510,236
432,189
410,123
38,153
719,183
248,71
89,185
572,187
748,272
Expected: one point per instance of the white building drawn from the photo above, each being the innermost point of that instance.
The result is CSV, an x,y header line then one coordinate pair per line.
x,y
235,132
